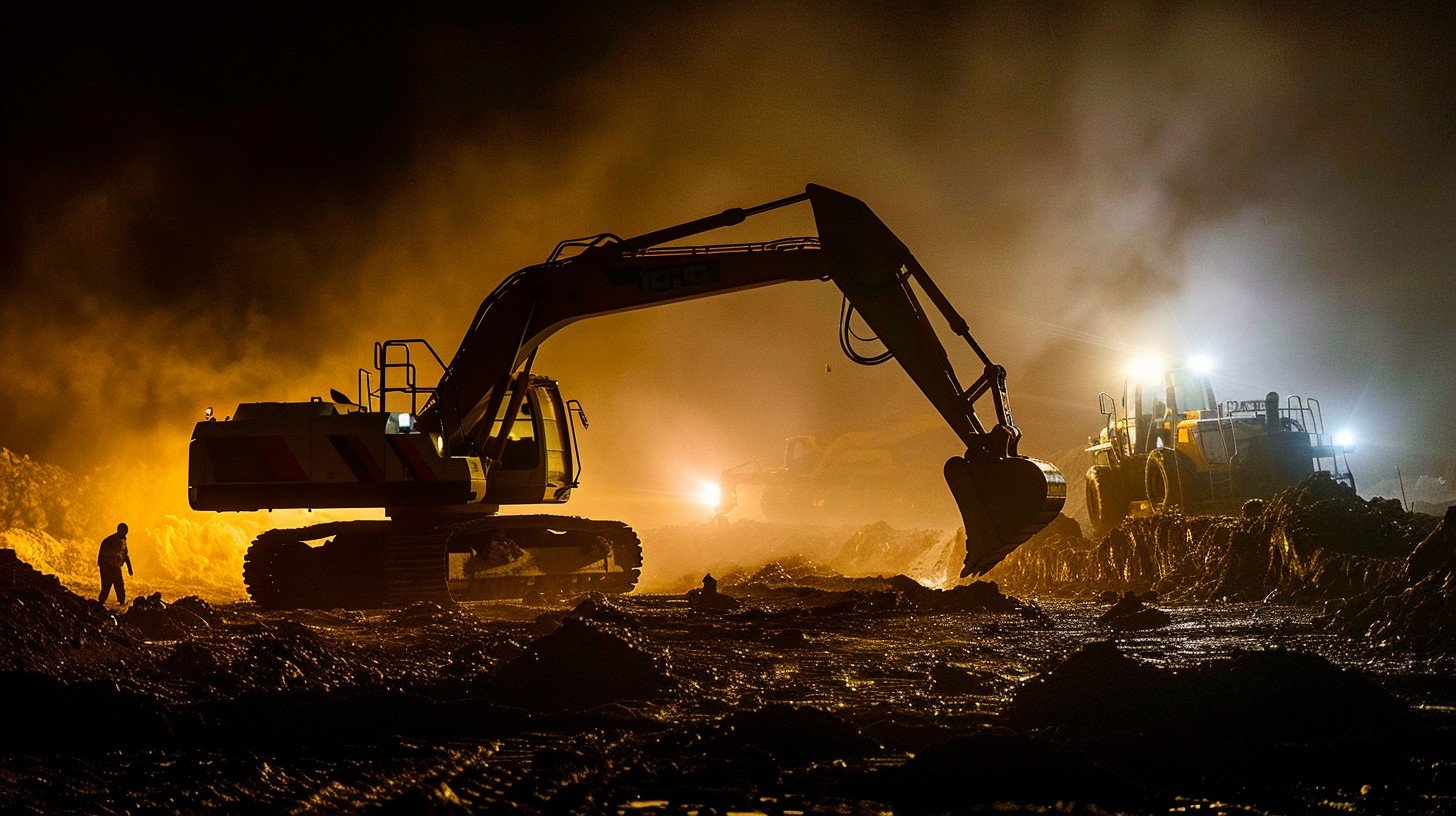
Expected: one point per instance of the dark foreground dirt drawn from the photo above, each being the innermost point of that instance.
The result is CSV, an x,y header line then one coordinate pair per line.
x,y
813,693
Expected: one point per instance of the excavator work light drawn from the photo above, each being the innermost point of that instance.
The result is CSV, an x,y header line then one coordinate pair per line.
x,y
710,495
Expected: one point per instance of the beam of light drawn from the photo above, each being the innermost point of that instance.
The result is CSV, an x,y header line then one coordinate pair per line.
x,y
1144,367
1201,364
710,495
1345,439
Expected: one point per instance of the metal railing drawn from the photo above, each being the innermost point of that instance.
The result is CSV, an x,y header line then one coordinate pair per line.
x,y
395,356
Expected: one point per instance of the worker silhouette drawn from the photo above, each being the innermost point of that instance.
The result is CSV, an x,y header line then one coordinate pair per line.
x,y
109,559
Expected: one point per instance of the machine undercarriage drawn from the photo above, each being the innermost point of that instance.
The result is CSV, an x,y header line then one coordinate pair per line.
x,y
375,564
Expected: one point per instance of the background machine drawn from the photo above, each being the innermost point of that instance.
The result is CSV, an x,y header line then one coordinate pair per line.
x,y
1167,443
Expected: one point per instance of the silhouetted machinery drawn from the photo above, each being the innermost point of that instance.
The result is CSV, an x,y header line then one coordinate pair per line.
x,y
859,473
492,432
1168,444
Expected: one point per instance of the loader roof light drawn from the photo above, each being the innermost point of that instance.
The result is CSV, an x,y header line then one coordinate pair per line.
x,y
1144,367
1345,439
1201,364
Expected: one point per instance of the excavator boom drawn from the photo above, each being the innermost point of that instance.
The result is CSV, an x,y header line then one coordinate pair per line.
x,y
1004,498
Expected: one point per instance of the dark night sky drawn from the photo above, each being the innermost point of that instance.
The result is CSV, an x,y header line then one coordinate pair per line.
x,y
206,209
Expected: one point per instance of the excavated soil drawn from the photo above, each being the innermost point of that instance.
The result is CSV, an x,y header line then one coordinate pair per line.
x,y
1416,606
1315,542
815,693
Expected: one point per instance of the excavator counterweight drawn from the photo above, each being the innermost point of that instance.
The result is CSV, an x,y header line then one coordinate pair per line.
x,y
493,432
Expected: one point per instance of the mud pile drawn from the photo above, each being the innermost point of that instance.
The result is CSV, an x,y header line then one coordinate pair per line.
x,y
154,619
1416,606
812,585
1098,690
41,621
580,665
1131,613
1312,542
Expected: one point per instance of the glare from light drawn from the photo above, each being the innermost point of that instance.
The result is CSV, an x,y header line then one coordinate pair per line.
x,y
406,423
1144,367
710,495
1200,363
1345,439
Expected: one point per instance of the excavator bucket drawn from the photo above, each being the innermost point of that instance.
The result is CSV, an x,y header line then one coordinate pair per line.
x,y
1003,502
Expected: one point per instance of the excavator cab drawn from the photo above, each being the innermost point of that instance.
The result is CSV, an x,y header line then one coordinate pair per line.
x,y
538,463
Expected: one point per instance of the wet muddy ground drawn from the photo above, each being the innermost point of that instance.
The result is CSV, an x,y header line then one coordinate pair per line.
x,y
809,695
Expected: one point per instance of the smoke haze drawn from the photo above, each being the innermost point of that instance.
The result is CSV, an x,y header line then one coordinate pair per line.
x,y
207,212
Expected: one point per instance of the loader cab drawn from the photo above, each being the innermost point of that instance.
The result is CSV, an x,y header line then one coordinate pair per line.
x,y
538,462
1152,407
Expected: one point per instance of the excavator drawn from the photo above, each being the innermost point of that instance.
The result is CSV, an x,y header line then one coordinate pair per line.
x,y
493,432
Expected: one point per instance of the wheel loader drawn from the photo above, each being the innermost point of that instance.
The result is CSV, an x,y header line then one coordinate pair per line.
x,y
1167,443
442,459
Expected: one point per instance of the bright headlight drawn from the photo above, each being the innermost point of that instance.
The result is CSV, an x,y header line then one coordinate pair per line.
x,y
1144,367
710,494
1345,439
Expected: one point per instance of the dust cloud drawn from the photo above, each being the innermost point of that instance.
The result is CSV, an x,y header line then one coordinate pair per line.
x,y
1271,188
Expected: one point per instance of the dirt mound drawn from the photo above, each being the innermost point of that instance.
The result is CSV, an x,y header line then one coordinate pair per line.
x,y
602,609
152,618
792,571
1415,607
1129,613
40,619
1312,542
791,733
580,665
288,655
977,596
1272,693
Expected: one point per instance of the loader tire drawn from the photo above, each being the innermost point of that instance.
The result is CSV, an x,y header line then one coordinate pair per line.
x,y
1106,499
1170,480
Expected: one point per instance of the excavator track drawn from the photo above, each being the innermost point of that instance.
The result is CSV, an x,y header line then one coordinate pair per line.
x,y
382,564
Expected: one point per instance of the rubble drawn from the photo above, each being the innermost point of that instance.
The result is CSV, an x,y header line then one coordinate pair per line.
x,y
40,620
1129,612
1312,542
154,619
580,665
1416,606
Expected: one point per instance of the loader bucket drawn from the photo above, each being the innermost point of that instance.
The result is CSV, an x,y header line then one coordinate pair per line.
x,y
1003,502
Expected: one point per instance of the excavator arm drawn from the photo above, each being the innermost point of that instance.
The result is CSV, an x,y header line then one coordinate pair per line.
x,y
1004,498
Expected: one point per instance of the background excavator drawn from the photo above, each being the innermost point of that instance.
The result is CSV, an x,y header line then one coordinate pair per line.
x,y
492,432
860,473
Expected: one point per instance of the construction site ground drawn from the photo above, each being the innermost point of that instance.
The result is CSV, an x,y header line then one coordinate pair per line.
x,y
807,693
